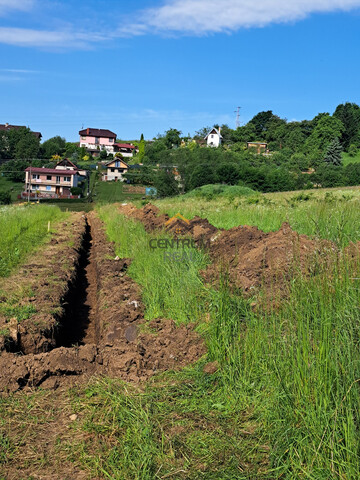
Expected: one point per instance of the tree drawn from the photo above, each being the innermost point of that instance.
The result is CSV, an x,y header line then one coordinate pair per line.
x,y
349,115
103,155
327,129
261,122
228,173
54,146
353,151
172,138
141,153
165,183
333,153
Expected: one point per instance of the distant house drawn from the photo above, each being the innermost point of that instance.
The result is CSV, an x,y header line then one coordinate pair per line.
x,y
213,138
115,170
97,139
126,149
50,182
261,147
6,127
67,164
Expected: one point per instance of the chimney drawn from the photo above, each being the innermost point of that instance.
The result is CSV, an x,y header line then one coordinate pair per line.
x,y
88,131
220,130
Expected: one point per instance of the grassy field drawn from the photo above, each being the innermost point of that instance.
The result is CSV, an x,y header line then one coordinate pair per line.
x,y
347,159
332,214
110,192
296,368
23,229
285,399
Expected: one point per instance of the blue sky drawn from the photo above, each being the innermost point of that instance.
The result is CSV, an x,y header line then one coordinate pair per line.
x,y
145,66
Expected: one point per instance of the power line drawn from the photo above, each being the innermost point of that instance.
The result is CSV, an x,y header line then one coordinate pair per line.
x,y
237,111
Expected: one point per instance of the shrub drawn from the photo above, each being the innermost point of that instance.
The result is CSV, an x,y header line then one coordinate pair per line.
x,y
76,190
5,198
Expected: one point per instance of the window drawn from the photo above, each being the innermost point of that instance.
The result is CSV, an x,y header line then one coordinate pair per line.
x,y
67,179
58,179
112,170
83,137
111,140
34,187
117,163
211,136
48,188
97,140
48,177
36,177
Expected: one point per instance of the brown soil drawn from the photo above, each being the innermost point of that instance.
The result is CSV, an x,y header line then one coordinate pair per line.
x,y
246,256
251,258
97,325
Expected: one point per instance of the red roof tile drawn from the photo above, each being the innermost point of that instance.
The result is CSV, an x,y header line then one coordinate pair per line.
x,y
61,173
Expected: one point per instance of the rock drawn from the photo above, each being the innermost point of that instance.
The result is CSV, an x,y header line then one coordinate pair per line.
x,y
73,417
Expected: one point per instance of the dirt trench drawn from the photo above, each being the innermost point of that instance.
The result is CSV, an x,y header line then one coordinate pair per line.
x,y
97,328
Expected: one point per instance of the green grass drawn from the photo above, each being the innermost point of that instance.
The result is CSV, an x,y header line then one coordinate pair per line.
x,y
348,159
23,229
296,367
110,192
169,289
285,400
168,430
333,215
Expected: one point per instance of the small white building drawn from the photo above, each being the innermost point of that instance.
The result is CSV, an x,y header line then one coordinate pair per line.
x,y
115,170
213,138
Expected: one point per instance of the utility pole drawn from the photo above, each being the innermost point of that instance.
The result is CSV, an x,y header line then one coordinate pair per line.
x,y
29,184
237,111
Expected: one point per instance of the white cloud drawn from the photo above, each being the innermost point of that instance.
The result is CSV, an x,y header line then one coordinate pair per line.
x,y
24,37
18,70
7,5
207,16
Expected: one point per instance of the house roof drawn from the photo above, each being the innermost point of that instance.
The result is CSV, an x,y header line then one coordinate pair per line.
x,y
257,143
213,130
97,132
51,170
6,127
66,161
124,145
107,164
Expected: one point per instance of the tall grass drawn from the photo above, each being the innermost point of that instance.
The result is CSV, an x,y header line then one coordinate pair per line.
x,y
23,229
169,288
295,366
333,217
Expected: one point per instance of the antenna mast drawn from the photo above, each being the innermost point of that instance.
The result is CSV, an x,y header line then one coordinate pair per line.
x,y
237,111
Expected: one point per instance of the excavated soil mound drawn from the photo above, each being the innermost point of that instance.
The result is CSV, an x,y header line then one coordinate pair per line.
x,y
150,217
250,257
247,256
106,326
